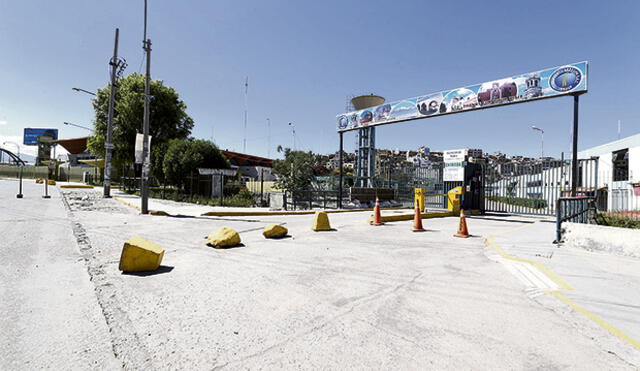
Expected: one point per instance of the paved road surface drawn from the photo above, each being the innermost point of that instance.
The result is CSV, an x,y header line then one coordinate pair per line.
x,y
49,314
360,297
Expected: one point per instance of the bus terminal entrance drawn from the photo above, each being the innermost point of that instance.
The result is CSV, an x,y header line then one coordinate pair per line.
x,y
530,187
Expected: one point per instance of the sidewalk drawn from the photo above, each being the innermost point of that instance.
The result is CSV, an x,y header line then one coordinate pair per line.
x,y
602,287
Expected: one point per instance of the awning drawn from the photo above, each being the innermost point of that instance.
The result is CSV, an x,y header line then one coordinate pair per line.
x,y
241,159
99,162
74,145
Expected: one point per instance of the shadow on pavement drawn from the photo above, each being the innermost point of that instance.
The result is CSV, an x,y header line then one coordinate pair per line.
x,y
161,269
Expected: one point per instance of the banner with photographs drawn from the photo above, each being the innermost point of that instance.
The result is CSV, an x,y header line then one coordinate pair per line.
x,y
552,82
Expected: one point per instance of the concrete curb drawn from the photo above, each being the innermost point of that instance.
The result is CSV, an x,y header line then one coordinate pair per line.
x,y
612,240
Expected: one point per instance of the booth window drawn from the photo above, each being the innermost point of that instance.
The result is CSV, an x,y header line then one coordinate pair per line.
x,y
621,165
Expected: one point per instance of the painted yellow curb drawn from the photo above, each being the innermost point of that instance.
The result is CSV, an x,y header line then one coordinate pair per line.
x,y
263,213
401,217
564,286
75,186
127,203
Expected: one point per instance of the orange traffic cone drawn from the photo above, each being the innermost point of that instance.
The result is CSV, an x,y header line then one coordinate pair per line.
x,y
376,214
417,220
463,232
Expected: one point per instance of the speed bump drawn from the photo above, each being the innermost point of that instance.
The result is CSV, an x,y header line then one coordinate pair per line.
x,y
51,182
39,180
274,231
223,237
139,255
321,222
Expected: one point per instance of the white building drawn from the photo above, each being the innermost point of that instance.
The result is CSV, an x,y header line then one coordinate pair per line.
x,y
618,171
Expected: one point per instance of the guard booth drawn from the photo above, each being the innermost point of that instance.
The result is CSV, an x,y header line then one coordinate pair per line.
x,y
473,184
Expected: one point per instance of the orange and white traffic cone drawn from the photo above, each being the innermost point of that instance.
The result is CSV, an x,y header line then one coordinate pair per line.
x,y
376,214
463,232
417,220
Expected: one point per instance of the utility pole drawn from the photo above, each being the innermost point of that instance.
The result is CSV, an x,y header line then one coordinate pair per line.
x,y
112,97
144,186
246,113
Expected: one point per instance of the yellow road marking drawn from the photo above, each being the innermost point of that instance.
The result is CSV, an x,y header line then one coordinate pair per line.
x,y
564,287
604,324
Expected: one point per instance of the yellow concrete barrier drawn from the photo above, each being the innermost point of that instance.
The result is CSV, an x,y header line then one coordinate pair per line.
x,y
139,255
51,182
274,231
223,237
321,222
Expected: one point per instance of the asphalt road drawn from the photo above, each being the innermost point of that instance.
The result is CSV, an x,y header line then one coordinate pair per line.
x,y
359,297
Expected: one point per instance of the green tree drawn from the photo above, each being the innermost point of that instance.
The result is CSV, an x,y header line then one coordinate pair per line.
x,y
167,120
295,172
184,157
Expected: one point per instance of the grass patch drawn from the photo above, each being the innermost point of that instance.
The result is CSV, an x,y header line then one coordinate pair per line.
x,y
244,198
619,220
534,203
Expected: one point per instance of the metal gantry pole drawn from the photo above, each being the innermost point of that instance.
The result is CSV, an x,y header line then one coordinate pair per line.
x,y
341,172
574,158
109,143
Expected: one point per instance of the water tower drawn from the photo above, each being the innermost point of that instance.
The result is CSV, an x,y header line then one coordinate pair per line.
x,y
366,152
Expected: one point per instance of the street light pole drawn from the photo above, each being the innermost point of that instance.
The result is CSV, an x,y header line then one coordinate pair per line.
x,y
109,142
84,91
79,126
542,139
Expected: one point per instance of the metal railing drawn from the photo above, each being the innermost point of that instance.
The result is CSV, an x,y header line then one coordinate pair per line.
x,y
575,210
308,199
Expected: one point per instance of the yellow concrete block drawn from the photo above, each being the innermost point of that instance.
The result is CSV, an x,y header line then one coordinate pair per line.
x,y
274,231
453,198
223,237
51,182
140,255
321,222
39,180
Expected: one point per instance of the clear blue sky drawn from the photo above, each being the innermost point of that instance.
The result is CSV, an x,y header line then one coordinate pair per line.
x,y
304,58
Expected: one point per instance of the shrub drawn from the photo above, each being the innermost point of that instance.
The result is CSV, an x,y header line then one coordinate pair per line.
x,y
618,220
534,203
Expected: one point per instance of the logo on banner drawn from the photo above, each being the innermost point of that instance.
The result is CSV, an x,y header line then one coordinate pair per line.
x,y
565,79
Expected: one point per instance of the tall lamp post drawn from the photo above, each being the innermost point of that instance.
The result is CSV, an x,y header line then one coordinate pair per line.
x,y
79,126
84,91
541,139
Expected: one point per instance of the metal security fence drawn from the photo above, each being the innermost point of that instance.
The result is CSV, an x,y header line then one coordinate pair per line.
x,y
309,199
405,180
535,188
29,172
624,200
